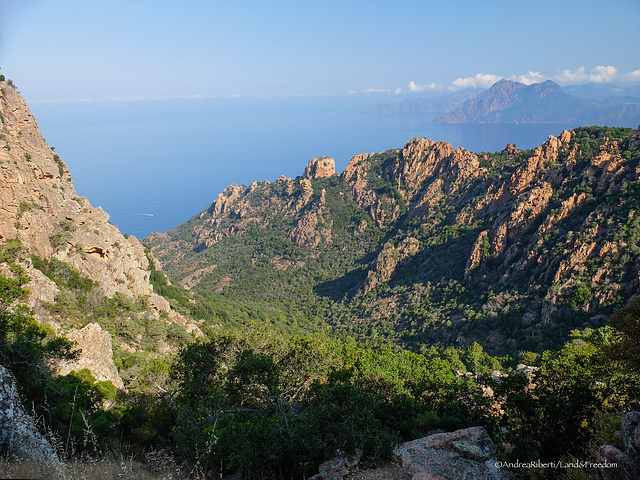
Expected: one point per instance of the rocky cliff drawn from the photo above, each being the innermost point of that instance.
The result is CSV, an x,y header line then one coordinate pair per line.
x,y
40,207
433,244
50,225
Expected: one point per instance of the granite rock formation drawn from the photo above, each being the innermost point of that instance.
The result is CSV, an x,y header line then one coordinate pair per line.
x,y
320,167
540,228
40,207
94,353
468,453
19,435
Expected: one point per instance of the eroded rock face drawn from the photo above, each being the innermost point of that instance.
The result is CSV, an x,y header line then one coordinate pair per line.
x,y
39,206
95,354
19,435
320,167
468,453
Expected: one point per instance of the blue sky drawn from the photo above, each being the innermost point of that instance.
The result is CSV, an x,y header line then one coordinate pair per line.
x,y
72,49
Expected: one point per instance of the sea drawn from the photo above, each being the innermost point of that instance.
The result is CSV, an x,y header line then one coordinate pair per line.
x,y
153,164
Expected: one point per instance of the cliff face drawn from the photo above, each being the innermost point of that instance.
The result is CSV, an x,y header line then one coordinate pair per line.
x,y
40,208
434,244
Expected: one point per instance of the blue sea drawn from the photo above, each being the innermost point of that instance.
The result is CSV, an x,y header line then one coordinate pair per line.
x,y
153,164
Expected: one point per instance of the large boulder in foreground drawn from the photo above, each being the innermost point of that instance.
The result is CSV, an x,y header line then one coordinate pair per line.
x,y
622,463
19,435
468,453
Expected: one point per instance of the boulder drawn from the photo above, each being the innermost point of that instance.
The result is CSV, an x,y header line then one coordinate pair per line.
x,y
338,467
468,453
625,463
96,355
19,435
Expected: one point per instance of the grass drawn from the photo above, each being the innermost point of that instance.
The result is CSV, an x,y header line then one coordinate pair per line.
x,y
88,469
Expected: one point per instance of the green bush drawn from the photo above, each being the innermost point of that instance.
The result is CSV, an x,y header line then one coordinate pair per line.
x,y
261,403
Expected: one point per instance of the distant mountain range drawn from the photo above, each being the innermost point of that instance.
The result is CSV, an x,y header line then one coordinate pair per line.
x,y
546,102
514,102
440,104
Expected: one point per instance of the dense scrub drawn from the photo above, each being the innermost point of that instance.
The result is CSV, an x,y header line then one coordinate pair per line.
x,y
310,348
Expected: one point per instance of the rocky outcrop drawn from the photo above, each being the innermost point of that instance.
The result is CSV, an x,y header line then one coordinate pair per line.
x,y
40,207
541,228
19,435
622,462
320,167
339,467
388,260
95,354
467,453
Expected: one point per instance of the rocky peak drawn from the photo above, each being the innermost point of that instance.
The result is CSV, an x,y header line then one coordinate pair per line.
x,y
320,167
496,98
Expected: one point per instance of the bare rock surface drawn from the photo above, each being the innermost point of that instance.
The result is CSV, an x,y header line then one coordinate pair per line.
x,y
468,453
320,167
96,355
19,435
464,454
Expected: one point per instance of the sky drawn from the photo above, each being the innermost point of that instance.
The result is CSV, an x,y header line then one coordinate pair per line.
x,y
62,50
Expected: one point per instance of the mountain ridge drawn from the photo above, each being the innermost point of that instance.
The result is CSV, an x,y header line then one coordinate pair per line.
x,y
514,102
432,244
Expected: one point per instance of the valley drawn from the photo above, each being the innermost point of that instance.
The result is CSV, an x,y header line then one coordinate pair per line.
x,y
422,292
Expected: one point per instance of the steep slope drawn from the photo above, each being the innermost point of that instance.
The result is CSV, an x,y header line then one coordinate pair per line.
x,y
428,244
40,207
514,102
75,258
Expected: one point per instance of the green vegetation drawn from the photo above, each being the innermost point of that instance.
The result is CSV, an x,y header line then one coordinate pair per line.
x,y
262,403
58,160
64,234
338,323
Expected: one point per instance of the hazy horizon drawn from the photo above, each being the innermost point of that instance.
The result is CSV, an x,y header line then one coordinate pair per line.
x,y
203,94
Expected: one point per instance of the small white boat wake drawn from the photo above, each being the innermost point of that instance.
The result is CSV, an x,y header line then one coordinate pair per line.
x,y
138,213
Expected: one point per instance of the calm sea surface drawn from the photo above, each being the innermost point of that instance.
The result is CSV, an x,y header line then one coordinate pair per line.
x,y
154,164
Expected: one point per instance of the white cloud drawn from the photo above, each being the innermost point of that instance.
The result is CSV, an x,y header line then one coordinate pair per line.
x,y
481,80
632,76
600,74
530,78
414,87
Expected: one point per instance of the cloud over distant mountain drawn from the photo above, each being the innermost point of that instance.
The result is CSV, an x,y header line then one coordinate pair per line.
x,y
599,74
581,75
